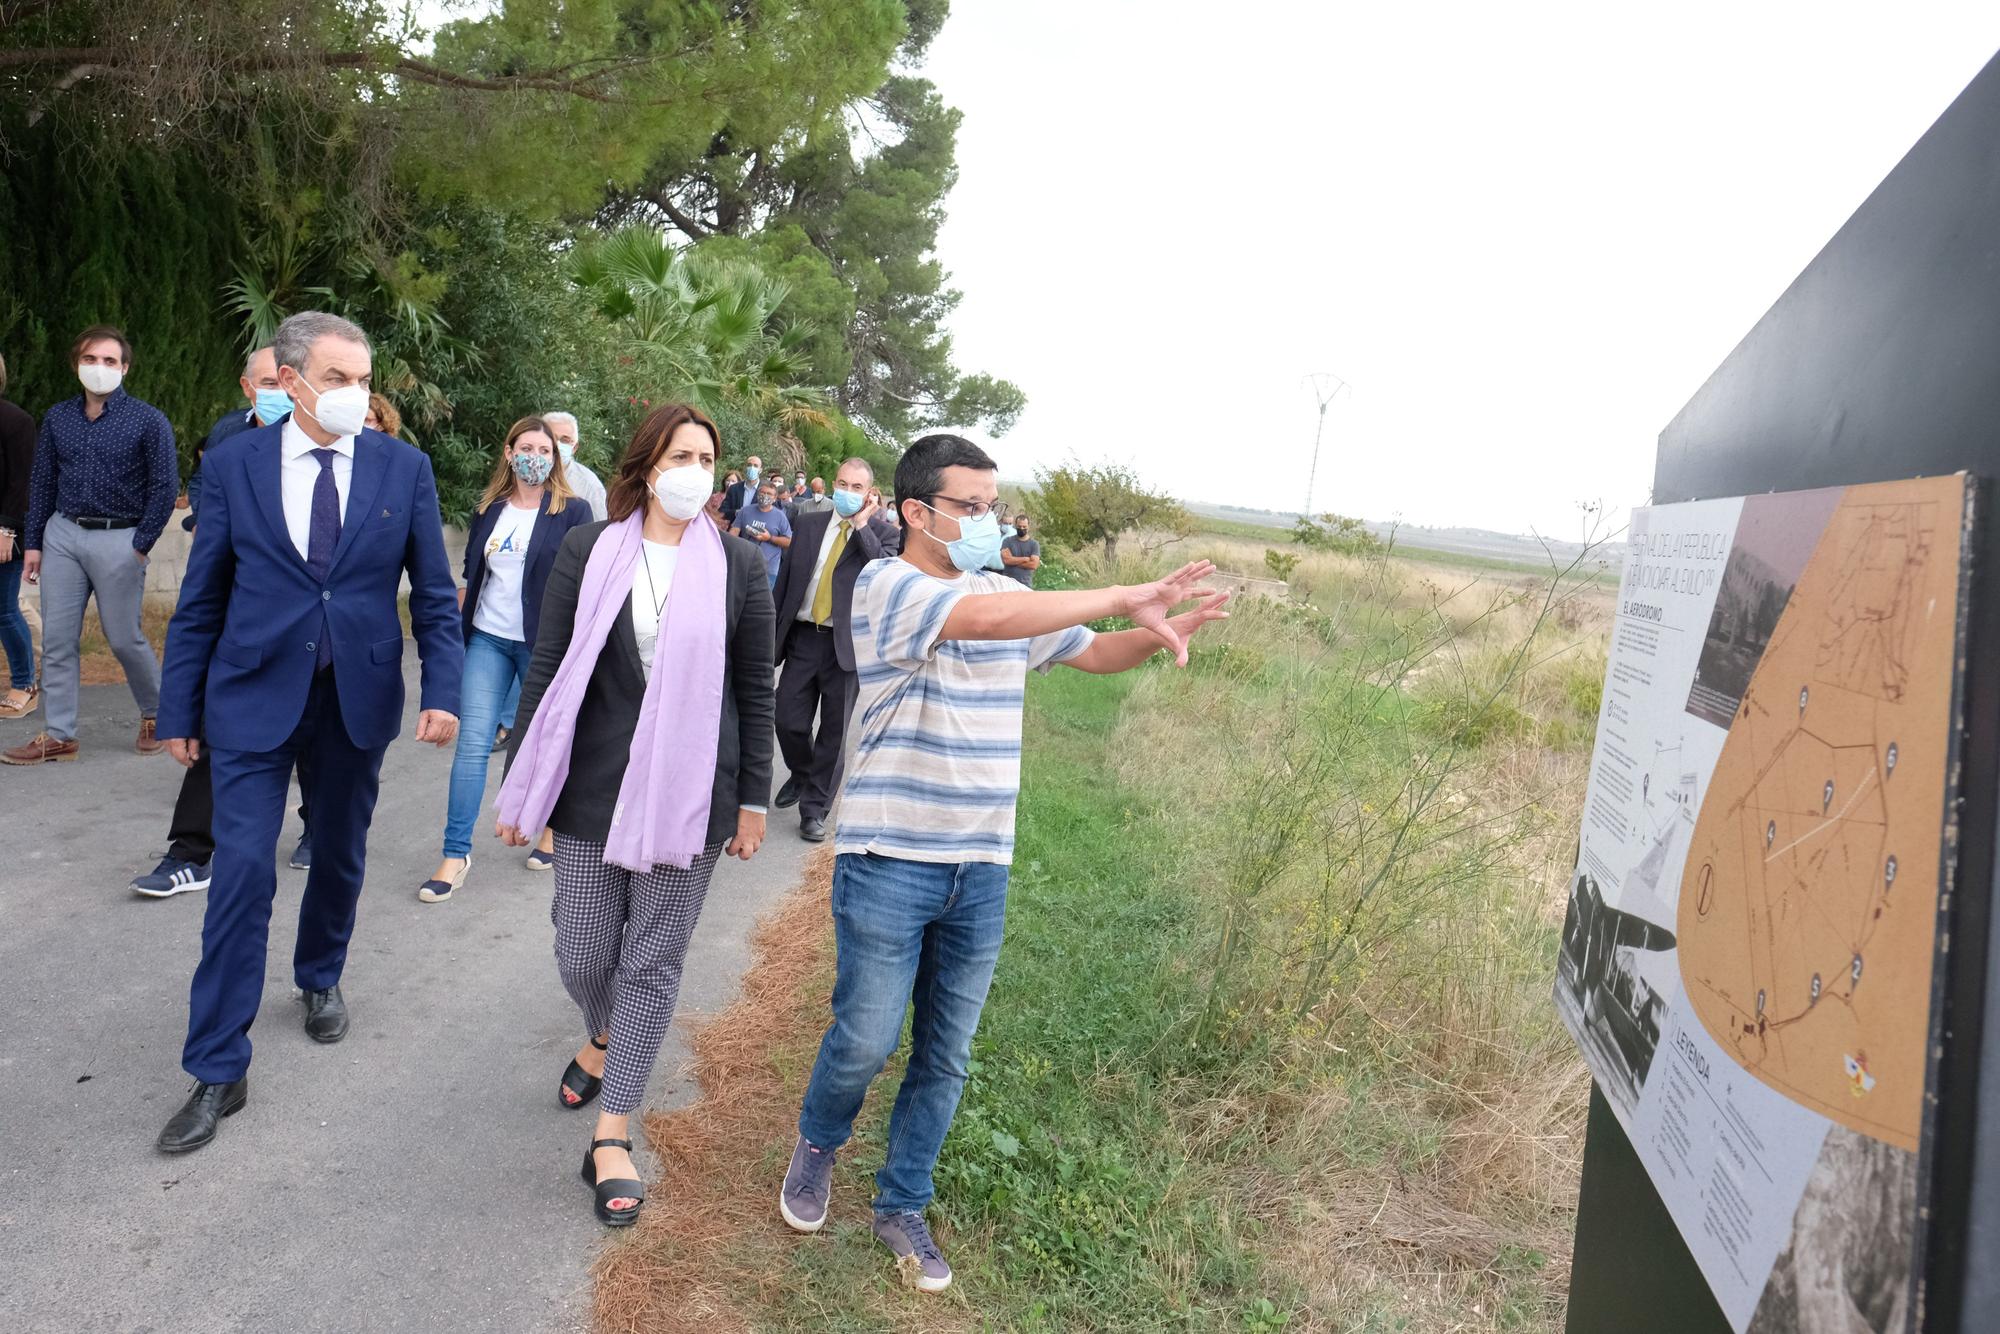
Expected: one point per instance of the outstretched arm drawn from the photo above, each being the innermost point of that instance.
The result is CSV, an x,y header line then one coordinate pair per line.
x,y
1025,616
1122,650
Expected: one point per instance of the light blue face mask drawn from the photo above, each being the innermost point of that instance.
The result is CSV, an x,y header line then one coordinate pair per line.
x,y
751,473
847,504
273,405
977,546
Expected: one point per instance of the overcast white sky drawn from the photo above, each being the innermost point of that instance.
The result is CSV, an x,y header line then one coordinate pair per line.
x,y
1525,234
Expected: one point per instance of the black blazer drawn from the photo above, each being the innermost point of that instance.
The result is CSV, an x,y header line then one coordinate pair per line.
x,y
609,714
544,540
795,570
735,498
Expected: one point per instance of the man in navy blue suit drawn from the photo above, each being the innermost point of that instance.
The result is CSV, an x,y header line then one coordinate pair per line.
x,y
287,640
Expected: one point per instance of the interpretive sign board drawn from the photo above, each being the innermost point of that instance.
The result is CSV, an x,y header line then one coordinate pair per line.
x,y
1747,956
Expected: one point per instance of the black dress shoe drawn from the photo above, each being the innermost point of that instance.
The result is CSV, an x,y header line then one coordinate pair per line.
x,y
812,831
788,795
194,1124
326,1015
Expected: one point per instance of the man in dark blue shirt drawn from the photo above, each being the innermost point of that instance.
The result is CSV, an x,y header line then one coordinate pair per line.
x,y
103,487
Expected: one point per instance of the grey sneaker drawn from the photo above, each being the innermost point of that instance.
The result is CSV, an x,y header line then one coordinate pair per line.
x,y
918,1259
808,1183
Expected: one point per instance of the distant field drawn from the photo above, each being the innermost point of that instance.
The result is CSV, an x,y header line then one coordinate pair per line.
x,y
1214,525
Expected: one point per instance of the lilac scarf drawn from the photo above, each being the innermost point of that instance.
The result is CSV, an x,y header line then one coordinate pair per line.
x,y
663,802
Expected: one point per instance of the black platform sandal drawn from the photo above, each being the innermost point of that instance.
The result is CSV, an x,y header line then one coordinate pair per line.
x,y
580,1082
615,1188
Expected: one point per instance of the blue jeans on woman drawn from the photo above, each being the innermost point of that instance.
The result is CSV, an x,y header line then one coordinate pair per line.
x,y
904,931
15,641
492,666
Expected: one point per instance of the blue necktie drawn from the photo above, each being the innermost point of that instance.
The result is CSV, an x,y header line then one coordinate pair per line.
x,y
321,538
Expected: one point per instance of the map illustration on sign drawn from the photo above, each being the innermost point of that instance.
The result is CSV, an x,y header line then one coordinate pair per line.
x,y
1747,958
1816,852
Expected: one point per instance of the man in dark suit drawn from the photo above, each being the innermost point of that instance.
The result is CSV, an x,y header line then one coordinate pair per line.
x,y
814,592
287,639
743,492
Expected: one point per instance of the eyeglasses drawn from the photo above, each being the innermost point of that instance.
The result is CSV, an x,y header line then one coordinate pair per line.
x,y
979,509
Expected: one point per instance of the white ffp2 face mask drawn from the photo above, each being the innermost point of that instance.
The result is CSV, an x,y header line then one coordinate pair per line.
x,y
100,379
683,491
343,411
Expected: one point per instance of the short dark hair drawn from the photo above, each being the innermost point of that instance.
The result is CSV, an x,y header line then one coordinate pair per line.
x,y
97,333
920,472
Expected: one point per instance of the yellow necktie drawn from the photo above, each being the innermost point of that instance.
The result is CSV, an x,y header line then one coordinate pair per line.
x,y
823,595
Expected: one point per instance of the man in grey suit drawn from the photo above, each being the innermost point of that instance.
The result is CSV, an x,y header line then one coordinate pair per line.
x,y
814,593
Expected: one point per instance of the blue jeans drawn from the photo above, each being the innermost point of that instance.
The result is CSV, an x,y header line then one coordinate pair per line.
x,y
493,666
15,641
904,932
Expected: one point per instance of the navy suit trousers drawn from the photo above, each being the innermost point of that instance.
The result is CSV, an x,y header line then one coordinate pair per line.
x,y
250,791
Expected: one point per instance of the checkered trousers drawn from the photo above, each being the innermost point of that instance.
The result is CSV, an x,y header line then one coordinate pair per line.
x,y
621,938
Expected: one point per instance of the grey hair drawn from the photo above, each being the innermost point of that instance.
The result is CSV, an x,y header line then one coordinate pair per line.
x,y
251,356
553,417
295,337
866,466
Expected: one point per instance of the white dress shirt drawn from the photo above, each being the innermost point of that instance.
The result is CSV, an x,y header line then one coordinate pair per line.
x,y
819,566
298,474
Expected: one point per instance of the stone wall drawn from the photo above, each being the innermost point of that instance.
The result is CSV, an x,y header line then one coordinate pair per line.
x,y
169,563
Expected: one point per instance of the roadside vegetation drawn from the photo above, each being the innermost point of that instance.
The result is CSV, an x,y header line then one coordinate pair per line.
x,y
1270,1046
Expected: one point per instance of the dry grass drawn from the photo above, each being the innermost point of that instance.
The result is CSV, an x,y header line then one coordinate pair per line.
x,y
1420,1165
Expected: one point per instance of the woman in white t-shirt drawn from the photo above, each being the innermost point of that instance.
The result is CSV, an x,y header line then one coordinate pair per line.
x,y
510,547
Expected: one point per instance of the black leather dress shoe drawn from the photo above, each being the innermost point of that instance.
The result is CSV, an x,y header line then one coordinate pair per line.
x,y
788,795
326,1015
194,1124
812,831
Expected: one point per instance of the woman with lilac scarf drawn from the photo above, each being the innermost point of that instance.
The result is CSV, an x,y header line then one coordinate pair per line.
x,y
644,740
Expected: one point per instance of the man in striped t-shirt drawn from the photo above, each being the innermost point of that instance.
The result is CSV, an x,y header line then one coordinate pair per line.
x,y
942,648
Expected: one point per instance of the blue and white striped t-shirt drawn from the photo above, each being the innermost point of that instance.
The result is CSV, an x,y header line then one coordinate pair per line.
x,y
937,759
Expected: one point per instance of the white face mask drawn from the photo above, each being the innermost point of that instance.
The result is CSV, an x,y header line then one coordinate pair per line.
x,y
342,411
683,491
100,379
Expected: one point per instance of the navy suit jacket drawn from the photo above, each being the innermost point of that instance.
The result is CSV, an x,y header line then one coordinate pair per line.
x,y
241,648
544,540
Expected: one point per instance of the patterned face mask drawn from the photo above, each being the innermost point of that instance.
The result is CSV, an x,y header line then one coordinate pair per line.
x,y
533,469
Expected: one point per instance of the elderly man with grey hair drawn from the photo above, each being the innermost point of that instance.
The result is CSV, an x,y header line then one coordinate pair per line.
x,y
287,642
587,485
